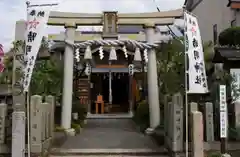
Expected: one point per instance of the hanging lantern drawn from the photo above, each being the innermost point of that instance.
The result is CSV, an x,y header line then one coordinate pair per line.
x,y
131,69
125,51
88,70
137,55
113,55
88,53
101,55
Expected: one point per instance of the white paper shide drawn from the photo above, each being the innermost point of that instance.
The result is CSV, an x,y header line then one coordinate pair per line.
x,y
36,24
223,111
196,70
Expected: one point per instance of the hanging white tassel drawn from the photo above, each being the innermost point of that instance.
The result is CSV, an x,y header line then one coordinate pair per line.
x,y
113,55
125,51
77,55
101,54
88,53
137,55
145,54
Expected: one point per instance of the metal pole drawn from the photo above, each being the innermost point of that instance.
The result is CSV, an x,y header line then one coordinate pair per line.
x,y
186,89
130,94
110,83
27,102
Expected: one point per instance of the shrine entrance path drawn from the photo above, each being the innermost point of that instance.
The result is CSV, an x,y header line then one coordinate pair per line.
x,y
110,134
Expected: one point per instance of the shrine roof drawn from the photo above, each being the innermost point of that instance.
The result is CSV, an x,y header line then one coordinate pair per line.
x,y
223,53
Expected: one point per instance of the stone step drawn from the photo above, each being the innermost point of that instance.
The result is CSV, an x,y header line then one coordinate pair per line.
x,y
108,152
108,156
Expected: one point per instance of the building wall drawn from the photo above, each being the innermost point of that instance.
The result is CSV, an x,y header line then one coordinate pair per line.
x,y
211,12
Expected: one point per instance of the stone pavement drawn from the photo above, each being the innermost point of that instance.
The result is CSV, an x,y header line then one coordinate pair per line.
x,y
113,136
110,133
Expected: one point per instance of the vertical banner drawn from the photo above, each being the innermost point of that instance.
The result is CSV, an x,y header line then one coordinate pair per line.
x,y
36,24
223,111
196,66
1,58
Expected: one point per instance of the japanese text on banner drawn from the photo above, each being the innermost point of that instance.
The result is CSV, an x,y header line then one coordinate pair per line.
x,y
36,24
194,50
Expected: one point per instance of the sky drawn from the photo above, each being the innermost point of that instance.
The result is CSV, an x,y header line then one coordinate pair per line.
x,y
13,10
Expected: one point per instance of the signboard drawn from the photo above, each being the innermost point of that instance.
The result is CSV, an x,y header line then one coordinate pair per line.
x,y
110,23
235,86
223,111
194,50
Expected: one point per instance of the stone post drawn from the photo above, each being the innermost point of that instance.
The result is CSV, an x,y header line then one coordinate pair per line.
x,y
50,99
3,114
197,134
166,116
153,96
193,107
36,124
209,127
177,123
18,133
18,63
45,112
169,125
68,78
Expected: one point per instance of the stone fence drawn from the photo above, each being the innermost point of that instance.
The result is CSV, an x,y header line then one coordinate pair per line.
x,y
13,128
174,123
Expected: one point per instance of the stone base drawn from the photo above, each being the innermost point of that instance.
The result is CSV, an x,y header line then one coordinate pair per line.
x,y
70,132
149,131
131,114
226,155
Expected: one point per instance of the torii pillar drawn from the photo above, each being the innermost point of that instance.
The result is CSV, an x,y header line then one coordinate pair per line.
x,y
153,96
68,77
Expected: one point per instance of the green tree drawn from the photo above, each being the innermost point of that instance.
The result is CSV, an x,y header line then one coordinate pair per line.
x,y
171,65
46,77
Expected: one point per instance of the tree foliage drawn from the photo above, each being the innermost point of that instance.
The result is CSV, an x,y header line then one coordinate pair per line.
x,y
171,66
47,74
46,78
230,36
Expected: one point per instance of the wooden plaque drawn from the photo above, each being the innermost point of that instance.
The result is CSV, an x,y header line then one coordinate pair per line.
x,y
110,24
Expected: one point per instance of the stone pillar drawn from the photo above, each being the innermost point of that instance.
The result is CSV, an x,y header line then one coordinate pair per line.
x,y
18,134
193,107
166,116
177,123
197,134
50,99
209,127
68,77
18,63
153,96
3,115
36,123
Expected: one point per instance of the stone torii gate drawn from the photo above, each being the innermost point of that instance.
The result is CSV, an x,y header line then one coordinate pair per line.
x,y
110,22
